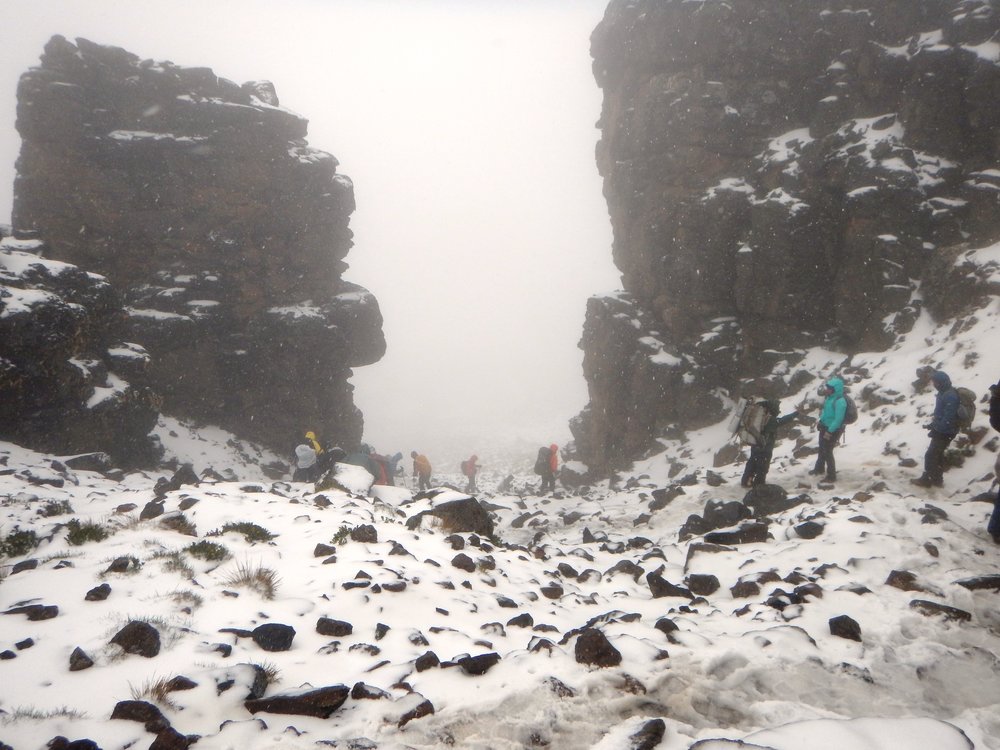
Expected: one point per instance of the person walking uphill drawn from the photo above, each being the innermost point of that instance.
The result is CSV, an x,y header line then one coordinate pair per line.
x,y
471,467
546,465
994,526
759,462
831,427
942,430
421,470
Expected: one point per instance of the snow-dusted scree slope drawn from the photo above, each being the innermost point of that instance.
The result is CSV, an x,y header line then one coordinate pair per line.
x,y
255,613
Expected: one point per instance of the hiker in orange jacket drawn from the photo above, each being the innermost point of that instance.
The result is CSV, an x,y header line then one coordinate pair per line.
x,y
421,470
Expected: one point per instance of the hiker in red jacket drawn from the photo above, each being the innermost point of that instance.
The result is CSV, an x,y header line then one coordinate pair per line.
x,y
471,467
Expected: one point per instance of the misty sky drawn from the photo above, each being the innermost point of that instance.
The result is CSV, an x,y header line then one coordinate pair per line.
x,y
468,128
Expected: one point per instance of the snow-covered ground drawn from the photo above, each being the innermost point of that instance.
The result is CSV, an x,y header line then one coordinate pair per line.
x,y
762,667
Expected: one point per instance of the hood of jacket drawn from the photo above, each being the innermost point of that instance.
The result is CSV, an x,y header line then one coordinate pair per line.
x,y
838,386
941,380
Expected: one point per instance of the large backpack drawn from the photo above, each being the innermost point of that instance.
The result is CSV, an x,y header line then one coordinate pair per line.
x,y
751,420
542,462
851,412
467,467
966,407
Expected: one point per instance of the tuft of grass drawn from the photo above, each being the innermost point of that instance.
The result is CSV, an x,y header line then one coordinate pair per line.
x,y
82,532
55,508
250,531
341,536
180,524
207,551
270,672
257,578
186,598
155,690
30,713
18,542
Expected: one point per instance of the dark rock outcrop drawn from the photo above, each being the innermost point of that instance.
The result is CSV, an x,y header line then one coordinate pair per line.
x,y
68,382
778,175
138,637
320,702
226,232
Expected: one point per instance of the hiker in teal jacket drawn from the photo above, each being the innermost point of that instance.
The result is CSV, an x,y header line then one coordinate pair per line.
x,y
831,427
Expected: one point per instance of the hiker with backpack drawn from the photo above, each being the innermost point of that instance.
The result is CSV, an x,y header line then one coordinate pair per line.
x,y
546,464
831,427
421,470
761,439
470,468
993,528
942,430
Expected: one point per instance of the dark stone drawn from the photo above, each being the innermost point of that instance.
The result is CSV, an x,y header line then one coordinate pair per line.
x,y
903,580
7,655
23,566
719,514
79,660
422,708
324,550
98,593
151,510
662,497
463,562
365,533
594,648
844,626
809,529
273,636
931,609
523,620
770,499
666,626
553,591
120,565
465,515
363,692
650,735
171,739
744,589
141,711
981,583
660,587
380,630
457,541
328,627
139,638
319,703
35,612
61,743
426,661
478,665
702,584
180,682
97,462
748,533
26,643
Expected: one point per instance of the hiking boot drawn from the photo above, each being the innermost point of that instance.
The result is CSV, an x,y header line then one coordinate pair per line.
x,y
831,478
922,481
815,472
937,482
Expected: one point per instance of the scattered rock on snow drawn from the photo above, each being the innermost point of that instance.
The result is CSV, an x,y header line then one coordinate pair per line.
x,y
320,702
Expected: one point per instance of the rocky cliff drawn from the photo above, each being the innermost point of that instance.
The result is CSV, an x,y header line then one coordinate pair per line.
x,y
201,201
779,176
68,383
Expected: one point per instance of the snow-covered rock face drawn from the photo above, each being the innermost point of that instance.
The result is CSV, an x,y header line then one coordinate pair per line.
x,y
779,175
202,202
68,384
259,613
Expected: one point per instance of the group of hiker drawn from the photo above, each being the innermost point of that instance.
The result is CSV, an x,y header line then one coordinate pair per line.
x,y
312,461
954,409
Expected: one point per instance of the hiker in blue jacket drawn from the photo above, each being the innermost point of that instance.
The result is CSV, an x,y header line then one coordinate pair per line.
x,y
942,430
994,525
831,427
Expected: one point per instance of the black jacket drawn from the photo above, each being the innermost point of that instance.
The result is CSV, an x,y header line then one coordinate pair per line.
x,y
995,407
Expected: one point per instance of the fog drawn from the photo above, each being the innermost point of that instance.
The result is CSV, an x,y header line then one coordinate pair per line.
x,y
468,128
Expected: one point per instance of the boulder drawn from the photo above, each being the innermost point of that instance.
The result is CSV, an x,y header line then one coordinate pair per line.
x,y
463,515
319,702
594,648
273,636
138,637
